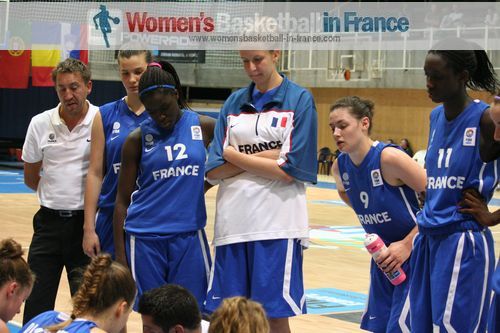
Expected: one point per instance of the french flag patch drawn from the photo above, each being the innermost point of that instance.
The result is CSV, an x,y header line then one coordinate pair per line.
x,y
282,122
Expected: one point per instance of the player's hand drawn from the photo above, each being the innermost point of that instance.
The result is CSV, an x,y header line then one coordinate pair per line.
x,y
90,244
421,199
396,254
473,203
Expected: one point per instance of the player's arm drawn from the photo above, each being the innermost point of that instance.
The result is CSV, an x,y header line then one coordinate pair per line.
x,y
229,169
207,127
95,175
32,174
338,182
217,167
397,253
489,149
3,327
256,165
472,203
131,155
400,169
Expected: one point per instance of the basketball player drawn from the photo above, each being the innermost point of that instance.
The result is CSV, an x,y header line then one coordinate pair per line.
x,y
261,220
16,281
111,126
102,303
160,202
379,182
453,255
474,204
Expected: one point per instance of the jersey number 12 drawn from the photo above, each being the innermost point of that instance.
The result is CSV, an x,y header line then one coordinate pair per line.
x,y
179,148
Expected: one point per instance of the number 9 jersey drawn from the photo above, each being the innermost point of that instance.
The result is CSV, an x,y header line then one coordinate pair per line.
x,y
383,209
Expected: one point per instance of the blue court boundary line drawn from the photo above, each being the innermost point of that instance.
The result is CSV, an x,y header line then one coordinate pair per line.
x,y
11,181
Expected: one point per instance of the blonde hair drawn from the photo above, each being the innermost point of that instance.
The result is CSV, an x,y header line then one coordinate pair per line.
x,y
104,283
239,315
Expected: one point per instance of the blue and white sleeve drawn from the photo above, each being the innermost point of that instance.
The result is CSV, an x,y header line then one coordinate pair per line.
x,y
216,148
298,156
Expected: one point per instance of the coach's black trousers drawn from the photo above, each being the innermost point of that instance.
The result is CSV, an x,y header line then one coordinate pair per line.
x,y
56,243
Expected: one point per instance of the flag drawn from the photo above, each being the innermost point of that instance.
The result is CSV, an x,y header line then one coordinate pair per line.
x,y
46,52
15,61
75,41
283,121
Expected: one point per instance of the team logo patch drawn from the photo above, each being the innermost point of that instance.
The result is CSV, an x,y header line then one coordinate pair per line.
x,y
148,142
116,127
52,138
377,178
470,137
196,133
345,179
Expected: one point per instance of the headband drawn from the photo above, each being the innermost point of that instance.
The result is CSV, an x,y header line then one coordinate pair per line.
x,y
154,64
156,86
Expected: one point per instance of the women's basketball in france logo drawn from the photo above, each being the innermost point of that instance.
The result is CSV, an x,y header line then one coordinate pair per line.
x,y
106,28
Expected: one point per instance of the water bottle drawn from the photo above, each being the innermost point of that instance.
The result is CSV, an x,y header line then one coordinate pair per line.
x,y
375,246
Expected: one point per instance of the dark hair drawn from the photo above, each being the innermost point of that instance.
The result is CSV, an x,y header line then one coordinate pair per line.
x,y
167,74
71,65
104,283
171,305
359,108
471,58
13,267
127,53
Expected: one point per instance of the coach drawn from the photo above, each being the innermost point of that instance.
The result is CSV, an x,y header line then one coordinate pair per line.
x,y
56,158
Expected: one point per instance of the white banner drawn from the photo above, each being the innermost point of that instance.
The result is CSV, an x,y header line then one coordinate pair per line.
x,y
249,25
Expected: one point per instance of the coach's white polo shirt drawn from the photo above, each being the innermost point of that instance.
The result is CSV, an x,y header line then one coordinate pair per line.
x,y
64,155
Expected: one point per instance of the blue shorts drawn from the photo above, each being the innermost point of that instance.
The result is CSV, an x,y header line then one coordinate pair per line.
x,y
494,315
104,230
268,271
450,285
183,259
388,306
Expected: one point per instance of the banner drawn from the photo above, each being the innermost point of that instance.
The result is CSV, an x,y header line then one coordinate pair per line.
x,y
230,25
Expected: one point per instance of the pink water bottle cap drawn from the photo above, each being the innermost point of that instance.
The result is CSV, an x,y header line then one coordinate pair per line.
x,y
373,243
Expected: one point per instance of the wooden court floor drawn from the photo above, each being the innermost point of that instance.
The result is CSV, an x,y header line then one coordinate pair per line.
x,y
340,267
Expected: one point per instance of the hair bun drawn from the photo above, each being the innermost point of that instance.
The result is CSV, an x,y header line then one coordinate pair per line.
x,y
10,249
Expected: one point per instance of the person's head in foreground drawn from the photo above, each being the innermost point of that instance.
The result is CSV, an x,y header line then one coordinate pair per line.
x,y
239,315
169,309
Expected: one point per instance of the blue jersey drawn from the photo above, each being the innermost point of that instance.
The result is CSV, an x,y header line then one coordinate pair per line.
x,y
169,196
453,164
386,210
50,318
118,121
